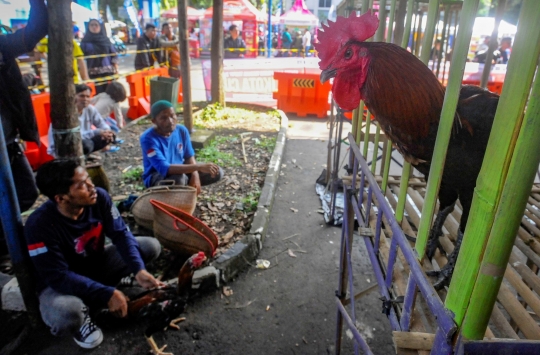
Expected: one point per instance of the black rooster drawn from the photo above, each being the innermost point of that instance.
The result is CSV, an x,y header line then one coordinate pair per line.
x,y
162,307
406,99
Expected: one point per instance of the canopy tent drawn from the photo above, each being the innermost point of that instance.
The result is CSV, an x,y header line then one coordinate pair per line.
x,y
192,13
299,15
483,26
238,10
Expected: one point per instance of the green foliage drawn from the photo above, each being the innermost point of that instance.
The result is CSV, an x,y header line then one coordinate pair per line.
x,y
210,112
251,200
212,154
268,143
133,175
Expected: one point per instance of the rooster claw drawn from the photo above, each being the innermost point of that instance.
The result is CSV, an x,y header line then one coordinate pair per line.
x,y
174,323
443,277
432,246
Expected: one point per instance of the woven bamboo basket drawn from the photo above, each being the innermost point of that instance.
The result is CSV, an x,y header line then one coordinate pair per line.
x,y
181,232
181,197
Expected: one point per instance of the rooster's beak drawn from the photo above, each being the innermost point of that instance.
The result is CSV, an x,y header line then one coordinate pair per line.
x,y
328,74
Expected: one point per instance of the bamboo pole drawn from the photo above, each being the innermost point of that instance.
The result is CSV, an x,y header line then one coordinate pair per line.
x,y
406,172
457,68
365,6
492,179
375,149
183,43
432,19
360,114
391,16
379,35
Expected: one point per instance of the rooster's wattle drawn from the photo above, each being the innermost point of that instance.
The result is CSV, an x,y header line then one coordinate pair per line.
x,y
406,99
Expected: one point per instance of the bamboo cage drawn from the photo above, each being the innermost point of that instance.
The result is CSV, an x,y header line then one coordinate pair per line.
x,y
420,326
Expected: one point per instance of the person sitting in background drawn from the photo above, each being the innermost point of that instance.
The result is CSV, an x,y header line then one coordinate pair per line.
x,y
96,42
503,53
109,102
234,45
168,154
66,242
79,65
93,139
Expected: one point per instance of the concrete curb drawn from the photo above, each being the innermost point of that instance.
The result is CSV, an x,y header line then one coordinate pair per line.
x,y
245,251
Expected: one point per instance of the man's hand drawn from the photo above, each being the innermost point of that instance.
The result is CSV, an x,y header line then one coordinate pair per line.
x,y
210,168
118,304
195,181
146,280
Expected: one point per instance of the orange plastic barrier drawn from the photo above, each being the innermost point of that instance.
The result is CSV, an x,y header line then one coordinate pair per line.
x,y
302,94
493,86
139,89
37,155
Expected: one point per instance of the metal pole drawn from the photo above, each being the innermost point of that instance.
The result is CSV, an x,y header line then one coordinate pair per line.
x,y
269,37
13,231
185,68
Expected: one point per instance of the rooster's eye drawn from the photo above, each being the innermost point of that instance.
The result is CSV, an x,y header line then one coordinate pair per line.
x,y
348,54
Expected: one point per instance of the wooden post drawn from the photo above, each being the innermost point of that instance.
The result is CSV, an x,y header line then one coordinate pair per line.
x,y
185,68
218,93
67,135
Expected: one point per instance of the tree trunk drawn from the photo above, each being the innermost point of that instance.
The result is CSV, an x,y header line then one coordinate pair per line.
x,y
65,122
183,42
218,94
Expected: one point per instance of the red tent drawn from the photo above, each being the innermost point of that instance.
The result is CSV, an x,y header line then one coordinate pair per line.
x,y
192,14
299,15
238,10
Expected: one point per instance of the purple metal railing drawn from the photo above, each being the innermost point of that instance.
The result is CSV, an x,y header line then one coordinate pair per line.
x,y
417,279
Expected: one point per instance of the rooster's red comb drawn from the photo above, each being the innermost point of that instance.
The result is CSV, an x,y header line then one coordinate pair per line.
x,y
337,33
198,259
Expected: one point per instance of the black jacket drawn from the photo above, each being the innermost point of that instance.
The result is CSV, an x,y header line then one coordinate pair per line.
x,y
234,45
15,103
147,59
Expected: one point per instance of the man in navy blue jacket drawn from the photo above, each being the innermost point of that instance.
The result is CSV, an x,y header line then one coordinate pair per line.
x,y
66,242
16,111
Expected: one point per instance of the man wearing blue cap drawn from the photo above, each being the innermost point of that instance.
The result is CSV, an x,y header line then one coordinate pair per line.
x,y
168,153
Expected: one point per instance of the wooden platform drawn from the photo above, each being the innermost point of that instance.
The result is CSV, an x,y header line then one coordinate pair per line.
x,y
517,311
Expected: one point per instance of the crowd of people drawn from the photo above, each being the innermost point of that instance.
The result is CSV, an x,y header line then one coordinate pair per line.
x,y
77,275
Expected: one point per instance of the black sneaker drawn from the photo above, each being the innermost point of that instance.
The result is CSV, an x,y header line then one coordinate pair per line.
x,y
89,335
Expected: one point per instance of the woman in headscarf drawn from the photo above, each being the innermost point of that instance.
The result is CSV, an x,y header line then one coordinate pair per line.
x,y
96,42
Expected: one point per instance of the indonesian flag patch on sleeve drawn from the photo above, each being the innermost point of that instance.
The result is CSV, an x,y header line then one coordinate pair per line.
x,y
36,249
151,153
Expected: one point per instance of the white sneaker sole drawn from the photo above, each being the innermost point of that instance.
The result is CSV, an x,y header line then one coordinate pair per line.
x,y
93,345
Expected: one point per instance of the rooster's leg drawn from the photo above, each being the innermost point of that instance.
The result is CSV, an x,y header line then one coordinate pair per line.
x,y
436,232
174,322
445,275
155,349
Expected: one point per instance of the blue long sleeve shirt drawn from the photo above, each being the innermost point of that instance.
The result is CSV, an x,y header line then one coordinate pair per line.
x,y
65,251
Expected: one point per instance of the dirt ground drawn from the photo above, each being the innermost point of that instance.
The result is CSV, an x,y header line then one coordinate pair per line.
x,y
289,308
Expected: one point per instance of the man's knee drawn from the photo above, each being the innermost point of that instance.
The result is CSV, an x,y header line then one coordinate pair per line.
x,y
63,314
149,247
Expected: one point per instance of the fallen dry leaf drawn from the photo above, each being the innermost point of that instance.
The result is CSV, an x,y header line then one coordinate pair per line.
x,y
227,291
291,254
225,239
